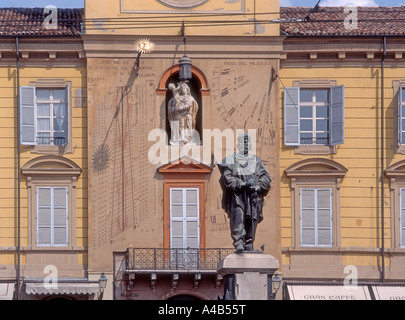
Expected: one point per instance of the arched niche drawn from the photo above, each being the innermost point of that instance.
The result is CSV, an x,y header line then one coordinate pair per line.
x,y
196,73
199,90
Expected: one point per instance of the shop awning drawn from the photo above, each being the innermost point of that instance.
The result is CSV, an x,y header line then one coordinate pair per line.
x,y
389,292
6,291
62,288
328,292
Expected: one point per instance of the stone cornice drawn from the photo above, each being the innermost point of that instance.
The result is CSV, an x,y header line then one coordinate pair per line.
x,y
41,48
99,46
340,49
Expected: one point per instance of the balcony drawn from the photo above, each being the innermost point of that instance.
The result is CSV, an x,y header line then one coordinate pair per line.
x,y
174,260
51,141
314,141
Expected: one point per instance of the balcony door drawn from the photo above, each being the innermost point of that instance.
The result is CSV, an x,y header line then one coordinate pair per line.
x,y
184,218
184,227
184,184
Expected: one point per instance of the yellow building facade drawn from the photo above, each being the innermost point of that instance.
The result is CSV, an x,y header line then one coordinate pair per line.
x,y
44,156
341,181
85,194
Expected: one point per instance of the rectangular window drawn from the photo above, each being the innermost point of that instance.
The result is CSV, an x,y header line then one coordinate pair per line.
x,y
313,116
402,218
44,116
51,116
316,217
184,228
184,218
52,216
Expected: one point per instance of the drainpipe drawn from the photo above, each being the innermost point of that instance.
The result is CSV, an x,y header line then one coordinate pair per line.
x,y
18,173
382,162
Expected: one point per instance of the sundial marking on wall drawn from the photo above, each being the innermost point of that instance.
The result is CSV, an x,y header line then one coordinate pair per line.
x,y
224,94
118,158
100,159
239,104
122,209
242,100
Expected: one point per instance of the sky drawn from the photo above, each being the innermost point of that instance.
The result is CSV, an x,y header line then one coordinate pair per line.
x,y
283,3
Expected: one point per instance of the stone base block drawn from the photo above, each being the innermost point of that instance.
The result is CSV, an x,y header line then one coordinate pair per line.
x,y
247,276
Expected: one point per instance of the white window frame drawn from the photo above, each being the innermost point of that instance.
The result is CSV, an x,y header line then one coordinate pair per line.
x,y
51,101
316,227
52,208
29,116
314,104
184,219
292,120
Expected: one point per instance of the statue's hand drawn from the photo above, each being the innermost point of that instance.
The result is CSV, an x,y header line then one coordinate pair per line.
x,y
251,182
242,185
254,188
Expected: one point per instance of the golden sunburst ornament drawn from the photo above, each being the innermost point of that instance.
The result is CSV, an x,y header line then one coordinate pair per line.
x,y
144,45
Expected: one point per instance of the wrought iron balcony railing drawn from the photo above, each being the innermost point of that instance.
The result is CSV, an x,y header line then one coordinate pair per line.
x,y
55,141
174,259
314,141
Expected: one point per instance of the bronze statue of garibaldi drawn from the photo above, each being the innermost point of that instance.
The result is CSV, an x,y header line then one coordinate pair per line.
x,y
246,181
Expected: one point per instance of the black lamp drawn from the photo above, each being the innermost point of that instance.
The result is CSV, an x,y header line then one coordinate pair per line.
x,y
185,62
185,68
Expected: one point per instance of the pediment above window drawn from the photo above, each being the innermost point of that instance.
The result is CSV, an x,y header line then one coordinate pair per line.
x,y
396,170
185,165
51,166
316,167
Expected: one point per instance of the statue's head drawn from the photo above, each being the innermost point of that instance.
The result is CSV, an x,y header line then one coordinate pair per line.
x,y
184,88
171,86
244,143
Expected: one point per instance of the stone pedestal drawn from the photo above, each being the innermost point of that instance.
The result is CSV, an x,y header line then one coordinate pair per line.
x,y
248,276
